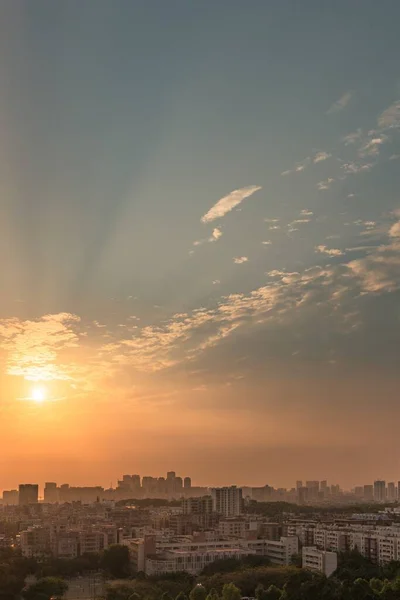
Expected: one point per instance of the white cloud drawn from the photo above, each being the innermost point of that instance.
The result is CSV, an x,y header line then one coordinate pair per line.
x,y
325,185
372,147
216,281
298,168
352,138
353,168
307,213
390,118
271,220
329,251
239,260
227,203
340,104
267,243
321,156
302,165
216,234
395,230
394,157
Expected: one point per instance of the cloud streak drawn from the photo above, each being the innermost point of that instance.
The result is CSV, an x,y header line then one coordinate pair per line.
x,y
340,104
229,202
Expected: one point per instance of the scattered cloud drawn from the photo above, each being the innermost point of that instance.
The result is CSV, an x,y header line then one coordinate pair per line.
x,y
395,230
34,346
267,243
321,156
325,185
216,281
271,220
216,234
329,251
353,168
390,117
352,138
298,168
372,147
306,213
227,203
340,104
239,260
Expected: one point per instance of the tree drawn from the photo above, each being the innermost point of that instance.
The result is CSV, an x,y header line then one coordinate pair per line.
x,y
11,583
181,596
212,595
47,587
231,592
273,593
116,561
166,596
198,593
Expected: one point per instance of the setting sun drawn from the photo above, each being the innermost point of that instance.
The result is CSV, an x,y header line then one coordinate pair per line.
x,y
38,395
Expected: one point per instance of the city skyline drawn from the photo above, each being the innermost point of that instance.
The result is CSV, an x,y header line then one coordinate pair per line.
x,y
199,240
147,486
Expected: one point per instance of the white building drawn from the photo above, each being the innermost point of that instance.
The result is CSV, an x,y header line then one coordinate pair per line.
x,y
319,560
190,554
227,501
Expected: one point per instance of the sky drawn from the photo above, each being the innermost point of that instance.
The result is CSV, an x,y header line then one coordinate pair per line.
x,y
199,240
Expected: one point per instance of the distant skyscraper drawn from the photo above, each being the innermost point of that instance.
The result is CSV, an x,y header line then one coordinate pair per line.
x,y
379,491
368,492
227,501
187,483
299,484
391,492
28,494
50,493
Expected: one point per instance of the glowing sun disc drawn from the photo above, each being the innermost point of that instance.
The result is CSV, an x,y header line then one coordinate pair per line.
x,y
38,395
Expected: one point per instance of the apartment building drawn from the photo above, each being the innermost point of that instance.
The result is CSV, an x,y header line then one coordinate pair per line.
x,y
319,560
227,501
35,542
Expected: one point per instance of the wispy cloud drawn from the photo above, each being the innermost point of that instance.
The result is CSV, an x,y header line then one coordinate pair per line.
x,y
325,185
340,104
390,117
216,234
298,168
239,260
372,147
329,251
321,156
352,138
227,203
33,347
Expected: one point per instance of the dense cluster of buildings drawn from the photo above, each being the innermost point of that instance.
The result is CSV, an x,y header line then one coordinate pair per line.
x,y
175,487
191,534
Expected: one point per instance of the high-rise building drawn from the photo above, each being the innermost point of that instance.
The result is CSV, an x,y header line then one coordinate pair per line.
x,y
299,484
50,492
10,497
197,505
28,493
368,492
379,491
227,501
391,491
187,483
